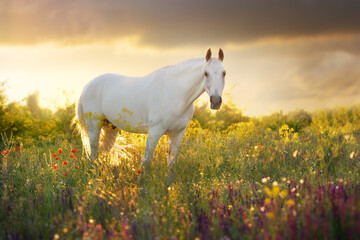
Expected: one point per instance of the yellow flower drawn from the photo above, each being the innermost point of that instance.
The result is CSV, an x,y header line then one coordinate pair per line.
x,y
267,201
283,194
290,203
295,153
268,191
275,191
270,215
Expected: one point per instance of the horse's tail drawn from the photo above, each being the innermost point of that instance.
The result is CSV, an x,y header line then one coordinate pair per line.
x,y
79,123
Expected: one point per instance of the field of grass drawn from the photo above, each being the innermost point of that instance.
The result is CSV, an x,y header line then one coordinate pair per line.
x,y
247,182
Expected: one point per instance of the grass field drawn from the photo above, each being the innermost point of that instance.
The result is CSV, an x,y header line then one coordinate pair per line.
x,y
248,182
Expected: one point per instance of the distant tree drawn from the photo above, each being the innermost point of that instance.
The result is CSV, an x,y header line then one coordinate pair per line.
x,y
32,103
227,115
298,119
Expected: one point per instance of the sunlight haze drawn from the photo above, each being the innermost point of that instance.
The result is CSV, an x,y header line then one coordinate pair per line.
x,y
279,55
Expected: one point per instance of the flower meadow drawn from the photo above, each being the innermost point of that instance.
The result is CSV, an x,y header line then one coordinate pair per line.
x,y
249,181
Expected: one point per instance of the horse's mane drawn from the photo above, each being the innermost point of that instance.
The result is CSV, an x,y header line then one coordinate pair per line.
x,y
185,66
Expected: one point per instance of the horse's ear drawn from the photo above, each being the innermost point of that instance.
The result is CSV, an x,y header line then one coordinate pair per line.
x,y
208,54
221,55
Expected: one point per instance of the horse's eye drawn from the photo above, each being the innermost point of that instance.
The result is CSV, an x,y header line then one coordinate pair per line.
x,y
224,73
206,74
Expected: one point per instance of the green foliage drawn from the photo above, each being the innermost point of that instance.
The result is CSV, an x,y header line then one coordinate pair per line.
x,y
30,123
296,120
220,120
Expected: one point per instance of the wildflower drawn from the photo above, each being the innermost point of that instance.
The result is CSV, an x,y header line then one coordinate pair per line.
x,y
65,163
66,173
54,155
60,150
138,171
295,153
283,194
72,156
54,167
290,203
275,191
264,180
74,150
267,201
260,145
352,155
56,158
270,215
301,181
77,167
267,191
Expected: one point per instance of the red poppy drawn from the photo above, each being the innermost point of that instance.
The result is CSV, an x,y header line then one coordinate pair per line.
x,y
54,155
72,156
74,150
66,173
77,167
65,163
60,150
56,158
54,167
138,171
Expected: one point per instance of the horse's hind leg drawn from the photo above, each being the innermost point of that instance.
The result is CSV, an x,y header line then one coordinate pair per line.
x,y
94,127
109,138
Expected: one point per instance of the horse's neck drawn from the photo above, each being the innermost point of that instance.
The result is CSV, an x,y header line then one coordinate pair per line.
x,y
190,84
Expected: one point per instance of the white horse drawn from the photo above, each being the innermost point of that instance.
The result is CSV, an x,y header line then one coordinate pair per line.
x,y
159,103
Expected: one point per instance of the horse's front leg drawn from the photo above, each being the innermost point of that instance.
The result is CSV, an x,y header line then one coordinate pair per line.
x,y
175,140
151,142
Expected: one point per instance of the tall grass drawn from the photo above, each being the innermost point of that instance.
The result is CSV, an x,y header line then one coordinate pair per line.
x,y
248,182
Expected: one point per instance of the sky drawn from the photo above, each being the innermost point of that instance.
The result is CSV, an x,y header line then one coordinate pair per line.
x,y
279,54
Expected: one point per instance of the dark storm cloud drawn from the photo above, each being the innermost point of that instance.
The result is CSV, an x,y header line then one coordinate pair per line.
x,y
173,23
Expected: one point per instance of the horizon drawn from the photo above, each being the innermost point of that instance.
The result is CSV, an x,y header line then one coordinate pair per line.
x,y
276,59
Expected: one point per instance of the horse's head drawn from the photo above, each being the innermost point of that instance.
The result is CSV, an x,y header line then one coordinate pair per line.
x,y
214,76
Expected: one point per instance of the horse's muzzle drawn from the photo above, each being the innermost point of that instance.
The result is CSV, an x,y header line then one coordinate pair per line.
x,y
215,102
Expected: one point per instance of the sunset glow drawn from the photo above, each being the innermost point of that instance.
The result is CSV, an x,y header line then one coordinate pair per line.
x,y
276,59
